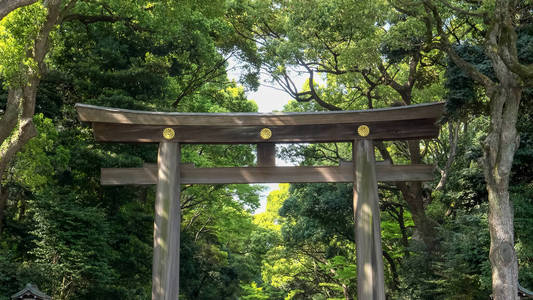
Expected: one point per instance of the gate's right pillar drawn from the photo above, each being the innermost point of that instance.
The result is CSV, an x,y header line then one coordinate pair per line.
x,y
370,278
166,257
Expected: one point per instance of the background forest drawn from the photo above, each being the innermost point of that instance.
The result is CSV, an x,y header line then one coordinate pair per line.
x,y
75,239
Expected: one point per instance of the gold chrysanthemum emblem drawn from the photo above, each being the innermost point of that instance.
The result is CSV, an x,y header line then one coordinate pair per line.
x,y
265,133
168,133
363,130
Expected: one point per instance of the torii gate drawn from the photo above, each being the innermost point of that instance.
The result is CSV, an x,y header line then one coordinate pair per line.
x,y
172,129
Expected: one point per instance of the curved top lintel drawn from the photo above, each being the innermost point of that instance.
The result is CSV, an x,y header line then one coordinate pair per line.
x,y
98,114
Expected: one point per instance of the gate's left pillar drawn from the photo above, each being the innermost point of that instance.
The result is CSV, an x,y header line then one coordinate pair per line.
x,y
166,259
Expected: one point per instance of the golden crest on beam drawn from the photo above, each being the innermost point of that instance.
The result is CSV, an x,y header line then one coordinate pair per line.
x,y
363,130
265,133
168,133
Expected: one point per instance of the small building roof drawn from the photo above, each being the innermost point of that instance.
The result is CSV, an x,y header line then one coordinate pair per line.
x,y
31,290
524,293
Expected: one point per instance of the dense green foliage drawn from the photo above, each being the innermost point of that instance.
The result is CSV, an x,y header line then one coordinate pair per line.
x,y
79,240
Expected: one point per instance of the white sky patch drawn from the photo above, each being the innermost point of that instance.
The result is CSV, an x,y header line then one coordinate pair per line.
x,y
268,99
269,96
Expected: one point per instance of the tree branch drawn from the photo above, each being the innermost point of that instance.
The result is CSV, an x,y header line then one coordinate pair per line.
x,y
458,10
447,47
110,18
200,79
453,132
391,82
89,19
314,93
7,6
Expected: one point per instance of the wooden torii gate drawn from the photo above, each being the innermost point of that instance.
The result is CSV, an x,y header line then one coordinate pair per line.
x,y
171,130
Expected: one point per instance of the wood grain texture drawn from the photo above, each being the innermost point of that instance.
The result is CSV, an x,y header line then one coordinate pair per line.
x,y
370,275
191,175
390,130
165,266
98,114
266,154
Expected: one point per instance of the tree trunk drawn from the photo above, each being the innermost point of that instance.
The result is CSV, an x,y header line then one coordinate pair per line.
x,y
500,45
16,124
394,271
403,230
413,196
345,292
425,227
3,202
499,148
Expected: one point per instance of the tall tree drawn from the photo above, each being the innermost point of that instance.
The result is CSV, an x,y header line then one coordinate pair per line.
x,y
30,31
493,26
201,59
118,53
367,56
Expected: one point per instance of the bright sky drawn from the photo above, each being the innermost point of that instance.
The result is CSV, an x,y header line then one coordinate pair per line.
x,y
268,99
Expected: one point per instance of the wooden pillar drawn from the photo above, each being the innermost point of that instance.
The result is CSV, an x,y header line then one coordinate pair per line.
x,y
266,155
370,277
166,265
